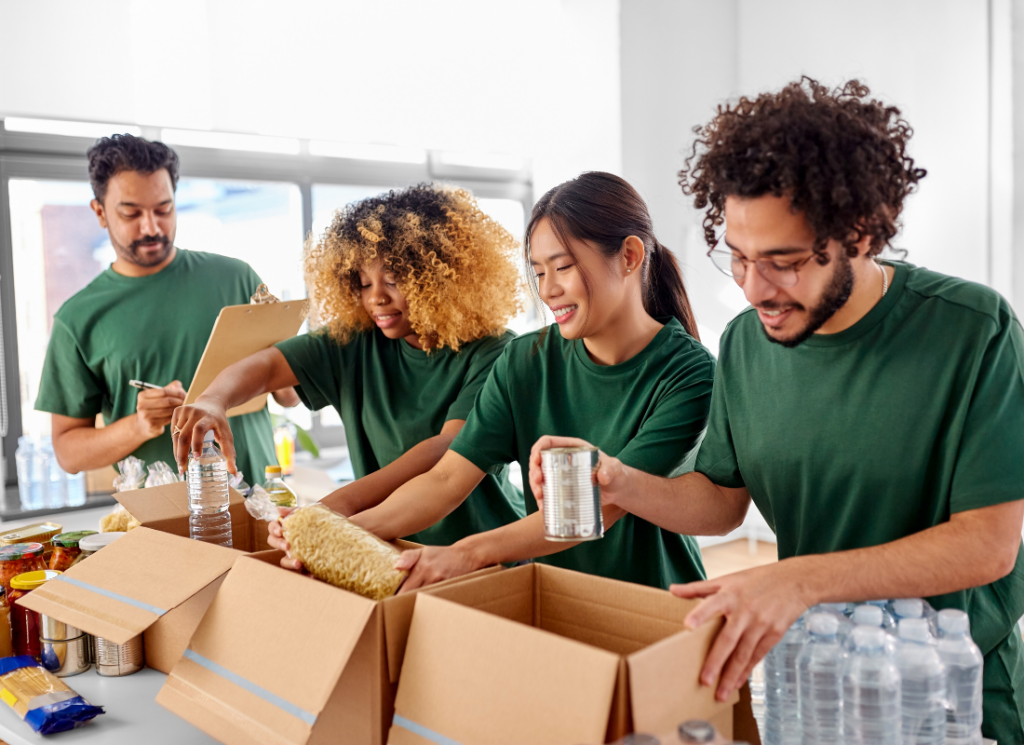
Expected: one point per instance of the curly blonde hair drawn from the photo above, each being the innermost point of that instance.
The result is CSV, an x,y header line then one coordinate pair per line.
x,y
455,266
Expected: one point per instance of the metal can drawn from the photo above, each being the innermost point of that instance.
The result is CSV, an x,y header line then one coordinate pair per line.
x,y
113,660
52,630
572,501
66,658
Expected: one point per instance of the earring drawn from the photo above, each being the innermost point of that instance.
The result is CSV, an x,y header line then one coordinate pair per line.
x,y
628,271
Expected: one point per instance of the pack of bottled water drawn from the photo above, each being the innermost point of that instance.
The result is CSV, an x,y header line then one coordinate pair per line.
x,y
883,672
42,483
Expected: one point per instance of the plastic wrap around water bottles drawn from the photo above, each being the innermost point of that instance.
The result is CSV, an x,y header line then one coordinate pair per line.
x,y
915,608
873,616
888,622
208,496
820,675
841,612
923,684
964,668
782,706
871,691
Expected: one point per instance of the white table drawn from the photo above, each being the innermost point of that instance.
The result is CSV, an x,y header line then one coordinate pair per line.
x,y
132,715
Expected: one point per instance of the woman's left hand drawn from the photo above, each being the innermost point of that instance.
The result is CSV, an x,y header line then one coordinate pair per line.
x,y
432,564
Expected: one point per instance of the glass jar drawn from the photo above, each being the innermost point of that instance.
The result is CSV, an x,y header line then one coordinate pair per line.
x,y
35,533
66,550
17,559
90,544
24,622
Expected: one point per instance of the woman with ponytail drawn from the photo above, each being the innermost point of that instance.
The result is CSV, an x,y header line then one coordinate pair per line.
x,y
622,368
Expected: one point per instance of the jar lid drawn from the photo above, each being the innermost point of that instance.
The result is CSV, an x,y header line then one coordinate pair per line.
x,y
20,551
272,470
37,532
96,541
71,539
32,580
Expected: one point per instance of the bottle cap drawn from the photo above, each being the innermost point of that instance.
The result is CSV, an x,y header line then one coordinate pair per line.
x,y
208,437
867,615
823,624
640,738
272,471
915,630
696,730
99,540
834,607
32,580
954,621
908,607
868,637
879,603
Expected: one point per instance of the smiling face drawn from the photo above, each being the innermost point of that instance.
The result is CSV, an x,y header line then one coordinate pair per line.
x,y
138,213
385,305
765,228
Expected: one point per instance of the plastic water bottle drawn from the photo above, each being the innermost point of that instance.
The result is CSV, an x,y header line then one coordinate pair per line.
x,y
54,480
820,676
964,663
888,622
839,611
75,489
29,482
923,684
869,615
871,691
757,695
915,608
208,499
782,708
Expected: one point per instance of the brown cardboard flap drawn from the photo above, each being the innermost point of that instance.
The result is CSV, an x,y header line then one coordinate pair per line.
x,y
664,681
145,566
460,665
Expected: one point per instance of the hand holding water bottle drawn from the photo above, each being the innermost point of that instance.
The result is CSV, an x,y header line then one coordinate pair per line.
x,y
190,424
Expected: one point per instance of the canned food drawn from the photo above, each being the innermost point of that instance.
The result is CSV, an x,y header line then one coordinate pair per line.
x,y
66,550
25,623
66,658
52,630
19,558
113,660
35,533
572,501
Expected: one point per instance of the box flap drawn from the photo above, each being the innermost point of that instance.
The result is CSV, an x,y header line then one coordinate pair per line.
x,y
267,655
120,591
450,687
159,503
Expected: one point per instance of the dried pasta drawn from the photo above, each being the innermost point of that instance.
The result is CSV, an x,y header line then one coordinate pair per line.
x,y
120,521
342,554
41,698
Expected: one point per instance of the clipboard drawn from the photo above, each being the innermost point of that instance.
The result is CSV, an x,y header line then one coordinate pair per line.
x,y
242,330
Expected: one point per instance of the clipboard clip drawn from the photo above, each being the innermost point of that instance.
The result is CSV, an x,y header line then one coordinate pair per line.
x,y
262,296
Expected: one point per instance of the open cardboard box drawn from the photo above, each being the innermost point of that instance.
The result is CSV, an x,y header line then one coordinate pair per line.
x,y
147,582
543,655
283,658
165,508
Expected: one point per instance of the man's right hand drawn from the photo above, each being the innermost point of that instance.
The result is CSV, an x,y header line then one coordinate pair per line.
x,y
189,426
155,407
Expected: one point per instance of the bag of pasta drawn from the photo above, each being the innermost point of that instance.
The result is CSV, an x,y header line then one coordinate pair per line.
x,y
42,699
333,549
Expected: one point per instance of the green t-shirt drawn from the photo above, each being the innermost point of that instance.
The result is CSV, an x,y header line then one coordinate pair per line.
x,y
154,329
648,411
392,396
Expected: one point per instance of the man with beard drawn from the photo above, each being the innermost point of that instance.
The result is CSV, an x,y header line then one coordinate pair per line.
x,y
872,410
147,317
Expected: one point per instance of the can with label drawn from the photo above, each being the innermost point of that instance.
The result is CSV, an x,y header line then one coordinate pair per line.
x,y
119,659
572,501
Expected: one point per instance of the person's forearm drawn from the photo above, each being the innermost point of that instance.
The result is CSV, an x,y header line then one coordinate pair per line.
x,y
88,448
263,372
689,504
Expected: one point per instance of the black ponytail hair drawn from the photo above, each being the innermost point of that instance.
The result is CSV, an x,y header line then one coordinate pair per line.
x,y
605,210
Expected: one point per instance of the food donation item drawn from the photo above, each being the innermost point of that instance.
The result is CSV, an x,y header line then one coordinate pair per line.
x,y
64,649
333,549
35,533
114,660
572,501
66,550
25,623
93,543
280,493
19,558
161,474
42,699
118,521
131,474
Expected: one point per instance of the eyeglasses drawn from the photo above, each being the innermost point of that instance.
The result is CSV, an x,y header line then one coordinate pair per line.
x,y
734,265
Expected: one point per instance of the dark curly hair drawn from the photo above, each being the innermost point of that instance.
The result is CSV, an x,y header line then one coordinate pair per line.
x,y
111,155
453,264
840,158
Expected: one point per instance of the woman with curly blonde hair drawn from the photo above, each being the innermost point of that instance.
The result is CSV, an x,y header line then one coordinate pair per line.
x,y
410,292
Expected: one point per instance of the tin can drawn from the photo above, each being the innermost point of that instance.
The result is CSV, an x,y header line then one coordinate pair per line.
x,y
572,501
52,630
66,658
114,660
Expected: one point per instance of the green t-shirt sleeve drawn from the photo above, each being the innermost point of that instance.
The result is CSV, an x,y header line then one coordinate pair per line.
x,y
989,469
716,458
314,360
68,386
479,369
488,439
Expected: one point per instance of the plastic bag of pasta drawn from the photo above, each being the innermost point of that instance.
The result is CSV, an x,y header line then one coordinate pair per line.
x,y
333,549
42,699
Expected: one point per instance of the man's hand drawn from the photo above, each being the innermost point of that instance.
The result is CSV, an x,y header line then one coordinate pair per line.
x,y
155,406
189,426
432,564
612,475
759,605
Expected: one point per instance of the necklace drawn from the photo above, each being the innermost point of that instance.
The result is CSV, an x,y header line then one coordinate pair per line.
x,y
885,278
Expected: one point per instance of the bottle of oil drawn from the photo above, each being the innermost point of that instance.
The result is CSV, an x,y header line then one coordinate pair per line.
x,y
280,493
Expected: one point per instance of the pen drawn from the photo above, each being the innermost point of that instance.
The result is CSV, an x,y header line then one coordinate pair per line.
x,y
143,385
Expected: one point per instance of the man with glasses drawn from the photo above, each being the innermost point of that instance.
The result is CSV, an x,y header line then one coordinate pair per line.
x,y
872,410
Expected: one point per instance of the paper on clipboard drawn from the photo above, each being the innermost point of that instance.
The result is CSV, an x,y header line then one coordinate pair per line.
x,y
242,330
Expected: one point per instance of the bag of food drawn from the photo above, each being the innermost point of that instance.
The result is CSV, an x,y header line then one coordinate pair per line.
x,y
334,549
42,699
132,474
160,474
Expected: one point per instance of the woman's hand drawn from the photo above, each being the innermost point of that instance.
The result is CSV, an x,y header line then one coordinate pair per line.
x,y
432,564
275,539
189,426
155,406
611,474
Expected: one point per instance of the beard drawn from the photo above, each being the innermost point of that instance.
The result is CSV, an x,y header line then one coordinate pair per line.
x,y
130,253
835,296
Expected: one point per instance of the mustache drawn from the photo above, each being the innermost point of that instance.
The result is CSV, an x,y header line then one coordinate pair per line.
x,y
162,239
772,305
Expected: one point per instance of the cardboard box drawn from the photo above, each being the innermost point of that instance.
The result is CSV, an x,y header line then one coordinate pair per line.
x,y
543,655
283,658
147,582
165,508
